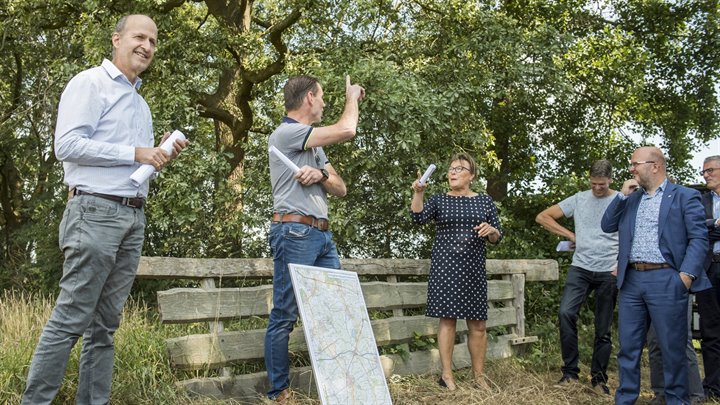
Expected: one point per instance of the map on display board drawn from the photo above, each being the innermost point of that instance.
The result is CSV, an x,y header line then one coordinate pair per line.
x,y
342,348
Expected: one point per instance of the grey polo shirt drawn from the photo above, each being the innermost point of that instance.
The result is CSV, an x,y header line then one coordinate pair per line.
x,y
289,196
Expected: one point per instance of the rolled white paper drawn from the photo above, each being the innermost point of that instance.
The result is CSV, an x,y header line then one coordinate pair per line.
x,y
429,171
289,163
144,172
564,246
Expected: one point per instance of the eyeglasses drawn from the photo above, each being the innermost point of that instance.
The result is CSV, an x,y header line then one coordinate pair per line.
x,y
709,170
642,162
457,169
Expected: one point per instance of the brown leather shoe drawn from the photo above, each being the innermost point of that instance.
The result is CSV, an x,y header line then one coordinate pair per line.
x,y
285,397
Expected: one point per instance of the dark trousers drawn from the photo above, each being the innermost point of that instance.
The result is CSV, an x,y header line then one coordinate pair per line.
x,y
578,286
709,308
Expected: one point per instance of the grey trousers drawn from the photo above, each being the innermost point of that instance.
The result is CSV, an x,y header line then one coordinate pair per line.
x,y
102,241
657,380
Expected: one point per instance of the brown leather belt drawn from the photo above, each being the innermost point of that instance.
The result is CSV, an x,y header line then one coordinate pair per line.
x,y
321,224
639,266
136,202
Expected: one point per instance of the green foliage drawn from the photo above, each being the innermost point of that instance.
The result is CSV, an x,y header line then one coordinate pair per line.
x,y
421,342
535,92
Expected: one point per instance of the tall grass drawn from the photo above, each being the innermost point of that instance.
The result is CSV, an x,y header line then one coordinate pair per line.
x,y
141,374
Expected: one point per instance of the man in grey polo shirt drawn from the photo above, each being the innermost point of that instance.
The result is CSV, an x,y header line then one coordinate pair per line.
x,y
299,230
591,269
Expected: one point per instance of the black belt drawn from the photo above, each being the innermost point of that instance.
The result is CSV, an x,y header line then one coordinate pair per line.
x,y
640,266
134,202
716,258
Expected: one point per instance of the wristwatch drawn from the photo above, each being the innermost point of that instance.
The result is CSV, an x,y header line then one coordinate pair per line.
x,y
326,175
692,277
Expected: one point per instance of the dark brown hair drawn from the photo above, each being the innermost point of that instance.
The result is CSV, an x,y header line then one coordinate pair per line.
x,y
296,89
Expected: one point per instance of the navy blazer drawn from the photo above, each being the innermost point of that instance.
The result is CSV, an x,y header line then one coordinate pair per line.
x,y
713,231
683,234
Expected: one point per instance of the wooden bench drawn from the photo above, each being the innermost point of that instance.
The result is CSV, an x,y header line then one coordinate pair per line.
x,y
398,293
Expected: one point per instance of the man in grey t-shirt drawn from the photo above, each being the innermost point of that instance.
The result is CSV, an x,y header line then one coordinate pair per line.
x,y
594,259
299,231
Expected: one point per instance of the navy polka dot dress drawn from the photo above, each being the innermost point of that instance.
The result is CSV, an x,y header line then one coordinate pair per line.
x,y
457,287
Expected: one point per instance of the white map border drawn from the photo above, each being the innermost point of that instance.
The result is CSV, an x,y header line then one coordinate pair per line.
x,y
344,390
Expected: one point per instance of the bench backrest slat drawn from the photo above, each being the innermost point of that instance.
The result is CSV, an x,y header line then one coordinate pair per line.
x,y
187,268
182,305
216,350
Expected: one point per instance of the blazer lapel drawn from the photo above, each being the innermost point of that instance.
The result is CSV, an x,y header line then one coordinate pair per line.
x,y
667,199
632,212
708,204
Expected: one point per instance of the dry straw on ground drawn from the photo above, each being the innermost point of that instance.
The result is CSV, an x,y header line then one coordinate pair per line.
x,y
512,384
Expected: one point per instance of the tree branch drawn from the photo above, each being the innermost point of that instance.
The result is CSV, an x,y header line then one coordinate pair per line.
x,y
17,88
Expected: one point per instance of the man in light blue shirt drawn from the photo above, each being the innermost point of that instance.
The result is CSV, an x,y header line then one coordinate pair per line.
x,y
103,134
663,243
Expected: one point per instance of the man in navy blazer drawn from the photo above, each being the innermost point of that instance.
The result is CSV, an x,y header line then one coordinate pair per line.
x,y
663,245
709,300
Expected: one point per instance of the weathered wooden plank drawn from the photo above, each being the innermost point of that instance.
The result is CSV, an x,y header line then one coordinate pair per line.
x,y
173,267
181,305
217,350
215,325
247,388
535,269
518,286
523,340
251,387
424,362
398,312
178,268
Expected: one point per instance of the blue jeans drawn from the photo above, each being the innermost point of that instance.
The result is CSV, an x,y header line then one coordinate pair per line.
x,y
657,377
578,286
101,241
299,244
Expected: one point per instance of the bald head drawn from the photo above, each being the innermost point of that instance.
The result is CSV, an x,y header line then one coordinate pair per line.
x,y
648,165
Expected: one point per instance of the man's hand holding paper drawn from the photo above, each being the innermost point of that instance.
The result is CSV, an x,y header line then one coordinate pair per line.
x,y
308,175
154,159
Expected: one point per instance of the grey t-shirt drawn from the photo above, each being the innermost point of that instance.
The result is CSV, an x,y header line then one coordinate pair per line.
x,y
595,250
289,196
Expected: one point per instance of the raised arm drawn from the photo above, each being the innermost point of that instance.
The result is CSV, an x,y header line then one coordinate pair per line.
x,y
611,218
416,205
345,128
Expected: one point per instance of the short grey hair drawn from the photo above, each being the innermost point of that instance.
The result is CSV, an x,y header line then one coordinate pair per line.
x,y
601,168
120,26
711,158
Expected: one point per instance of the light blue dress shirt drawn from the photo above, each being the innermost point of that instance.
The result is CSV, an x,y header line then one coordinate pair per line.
x,y
101,120
646,244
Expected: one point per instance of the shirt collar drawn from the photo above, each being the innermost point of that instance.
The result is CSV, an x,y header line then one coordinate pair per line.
x,y
660,188
288,120
114,73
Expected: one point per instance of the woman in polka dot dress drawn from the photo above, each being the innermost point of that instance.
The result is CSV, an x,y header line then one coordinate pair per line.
x,y
457,287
